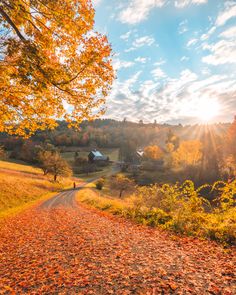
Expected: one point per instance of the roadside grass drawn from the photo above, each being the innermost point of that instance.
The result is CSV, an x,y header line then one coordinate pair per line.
x,y
95,199
22,185
175,212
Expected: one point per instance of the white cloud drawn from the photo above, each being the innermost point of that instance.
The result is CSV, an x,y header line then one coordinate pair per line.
x,y
183,28
126,36
192,42
147,87
138,10
222,52
229,33
184,3
142,41
227,14
130,49
208,34
177,100
160,62
140,59
205,71
158,73
184,58
119,64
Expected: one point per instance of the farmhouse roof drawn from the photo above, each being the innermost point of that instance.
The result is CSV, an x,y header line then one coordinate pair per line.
x,y
97,153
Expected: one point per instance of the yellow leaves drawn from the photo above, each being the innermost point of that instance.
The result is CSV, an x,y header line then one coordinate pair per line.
x,y
46,73
153,152
188,153
8,288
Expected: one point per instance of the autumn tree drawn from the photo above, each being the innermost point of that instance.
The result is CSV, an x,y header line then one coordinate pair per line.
x,y
122,183
229,161
172,140
51,162
210,170
188,153
127,151
51,60
231,139
153,152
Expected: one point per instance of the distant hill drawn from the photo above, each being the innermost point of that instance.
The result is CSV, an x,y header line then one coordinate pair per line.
x,y
108,133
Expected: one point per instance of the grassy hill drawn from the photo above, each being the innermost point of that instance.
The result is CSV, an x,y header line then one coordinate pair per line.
x,y
21,185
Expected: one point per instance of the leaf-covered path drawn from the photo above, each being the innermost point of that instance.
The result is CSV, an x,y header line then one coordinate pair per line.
x,y
83,251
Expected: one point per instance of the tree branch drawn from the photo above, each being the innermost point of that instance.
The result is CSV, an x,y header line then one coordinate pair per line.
x,y
11,23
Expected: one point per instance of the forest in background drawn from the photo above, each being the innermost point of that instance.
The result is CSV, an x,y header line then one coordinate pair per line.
x,y
201,153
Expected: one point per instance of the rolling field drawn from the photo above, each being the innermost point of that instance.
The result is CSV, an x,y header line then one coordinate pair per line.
x,y
21,185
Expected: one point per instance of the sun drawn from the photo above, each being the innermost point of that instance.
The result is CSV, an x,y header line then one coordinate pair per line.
x,y
207,110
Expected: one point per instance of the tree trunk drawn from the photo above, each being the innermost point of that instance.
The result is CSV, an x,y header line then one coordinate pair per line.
x,y
55,177
121,191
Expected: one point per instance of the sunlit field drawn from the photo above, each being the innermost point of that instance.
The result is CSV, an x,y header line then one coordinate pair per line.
x,y
21,185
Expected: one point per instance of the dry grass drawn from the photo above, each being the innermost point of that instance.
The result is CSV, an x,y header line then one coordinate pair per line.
x,y
94,198
19,167
21,185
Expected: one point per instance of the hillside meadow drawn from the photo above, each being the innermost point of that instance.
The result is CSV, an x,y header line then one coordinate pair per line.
x,y
21,185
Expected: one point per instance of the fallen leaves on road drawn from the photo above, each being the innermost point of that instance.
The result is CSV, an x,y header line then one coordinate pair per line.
x,y
82,251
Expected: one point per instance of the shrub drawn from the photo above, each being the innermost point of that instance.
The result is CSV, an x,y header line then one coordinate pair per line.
x,y
181,208
100,183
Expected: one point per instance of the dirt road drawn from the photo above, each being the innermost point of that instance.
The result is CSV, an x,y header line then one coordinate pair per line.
x,y
66,198
84,251
66,248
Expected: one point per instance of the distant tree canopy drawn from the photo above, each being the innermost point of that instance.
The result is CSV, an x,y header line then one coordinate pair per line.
x,y
188,153
231,139
153,152
172,140
51,60
228,160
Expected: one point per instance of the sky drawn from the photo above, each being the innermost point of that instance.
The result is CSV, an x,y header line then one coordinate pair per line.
x,y
175,60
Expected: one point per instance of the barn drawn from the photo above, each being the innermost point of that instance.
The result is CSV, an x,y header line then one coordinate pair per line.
x,y
97,156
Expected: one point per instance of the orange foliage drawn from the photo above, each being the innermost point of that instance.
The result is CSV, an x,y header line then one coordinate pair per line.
x,y
53,61
153,152
82,251
188,153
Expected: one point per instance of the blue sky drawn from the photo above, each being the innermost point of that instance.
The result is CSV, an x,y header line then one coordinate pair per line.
x,y
175,60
